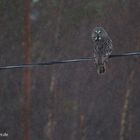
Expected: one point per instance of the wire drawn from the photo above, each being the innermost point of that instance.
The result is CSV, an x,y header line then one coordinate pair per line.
x,y
64,61
45,63
124,54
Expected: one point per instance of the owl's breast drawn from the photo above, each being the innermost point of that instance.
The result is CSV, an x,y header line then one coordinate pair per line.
x,y
103,47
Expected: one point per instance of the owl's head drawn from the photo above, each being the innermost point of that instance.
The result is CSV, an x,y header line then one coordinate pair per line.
x,y
98,34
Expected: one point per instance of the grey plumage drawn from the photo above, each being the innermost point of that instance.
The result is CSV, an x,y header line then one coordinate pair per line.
x,y
102,48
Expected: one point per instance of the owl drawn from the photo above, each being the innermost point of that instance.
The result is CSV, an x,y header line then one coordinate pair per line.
x,y
102,48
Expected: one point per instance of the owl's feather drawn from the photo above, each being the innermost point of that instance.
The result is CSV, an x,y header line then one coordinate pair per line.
x,y
102,48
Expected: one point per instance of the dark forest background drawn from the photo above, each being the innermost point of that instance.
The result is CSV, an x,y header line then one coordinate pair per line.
x,y
68,102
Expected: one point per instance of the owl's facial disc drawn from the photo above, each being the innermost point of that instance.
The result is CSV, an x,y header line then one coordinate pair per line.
x,y
98,35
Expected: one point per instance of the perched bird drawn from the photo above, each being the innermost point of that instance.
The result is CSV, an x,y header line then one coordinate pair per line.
x,y
102,48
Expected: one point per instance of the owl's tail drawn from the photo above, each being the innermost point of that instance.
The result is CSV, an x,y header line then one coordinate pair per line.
x,y
101,68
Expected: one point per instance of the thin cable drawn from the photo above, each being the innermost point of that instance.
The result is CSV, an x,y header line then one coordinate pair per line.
x,y
45,63
124,54
65,61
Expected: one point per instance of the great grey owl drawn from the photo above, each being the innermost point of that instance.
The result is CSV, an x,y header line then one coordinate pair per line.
x,y
102,48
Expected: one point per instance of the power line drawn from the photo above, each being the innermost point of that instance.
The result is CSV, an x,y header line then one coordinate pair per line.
x,y
45,63
65,61
125,54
